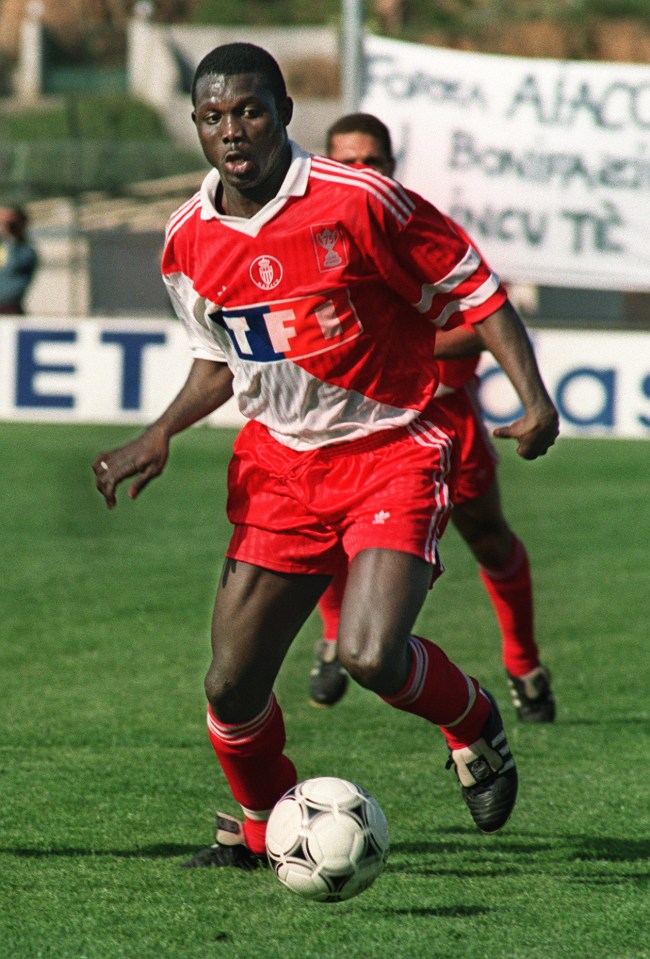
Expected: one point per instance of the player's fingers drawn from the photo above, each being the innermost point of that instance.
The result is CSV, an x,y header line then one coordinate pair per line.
x,y
532,451
110,470
504,432
525,442
527,452
143,479
105,480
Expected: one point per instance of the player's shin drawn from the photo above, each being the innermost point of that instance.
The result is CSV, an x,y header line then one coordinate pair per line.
x,y
510,590
440,692
469,718
258,773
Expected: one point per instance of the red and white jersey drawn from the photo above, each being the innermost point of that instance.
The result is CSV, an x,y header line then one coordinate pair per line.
x,y
326,302
455,373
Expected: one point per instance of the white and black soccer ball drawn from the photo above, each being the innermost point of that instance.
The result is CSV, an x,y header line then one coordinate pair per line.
x,y
327,839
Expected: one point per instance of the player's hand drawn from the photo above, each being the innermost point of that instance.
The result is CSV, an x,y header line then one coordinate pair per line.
x,y
535,433
144,458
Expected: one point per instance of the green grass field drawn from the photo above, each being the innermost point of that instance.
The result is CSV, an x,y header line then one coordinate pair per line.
x,y
108,780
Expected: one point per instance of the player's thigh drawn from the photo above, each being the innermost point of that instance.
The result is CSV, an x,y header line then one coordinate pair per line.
x,y
384,594
257,614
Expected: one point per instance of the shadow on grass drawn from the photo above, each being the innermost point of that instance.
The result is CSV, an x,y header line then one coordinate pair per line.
x,y
612,849
624,879
609,721
440,912
505,853
502,854
163,851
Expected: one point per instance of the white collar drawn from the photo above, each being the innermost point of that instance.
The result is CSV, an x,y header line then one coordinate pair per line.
x,y
294,184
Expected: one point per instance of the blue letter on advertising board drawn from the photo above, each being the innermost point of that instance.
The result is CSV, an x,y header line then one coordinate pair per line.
x,y
29,368
489,414
645,389
133,346
600,417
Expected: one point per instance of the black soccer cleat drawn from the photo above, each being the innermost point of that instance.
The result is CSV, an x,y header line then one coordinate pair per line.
x,y
238,856
487,774
229,849
532,696
328,680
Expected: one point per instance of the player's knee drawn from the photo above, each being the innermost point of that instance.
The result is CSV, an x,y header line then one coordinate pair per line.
x,y
491,544
220,690
235,695
368,665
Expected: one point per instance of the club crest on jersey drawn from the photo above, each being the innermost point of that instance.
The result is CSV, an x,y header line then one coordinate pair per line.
x,y
330,245
290,329
266,272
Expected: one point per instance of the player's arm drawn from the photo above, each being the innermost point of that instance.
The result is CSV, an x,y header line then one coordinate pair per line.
x,y
208,386
457,344
504,335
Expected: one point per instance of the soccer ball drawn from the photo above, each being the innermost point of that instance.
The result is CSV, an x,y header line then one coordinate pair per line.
x,y
327,839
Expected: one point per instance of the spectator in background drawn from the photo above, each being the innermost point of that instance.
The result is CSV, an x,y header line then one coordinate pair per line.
x,y
18,260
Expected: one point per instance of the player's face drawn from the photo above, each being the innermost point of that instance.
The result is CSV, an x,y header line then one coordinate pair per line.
x,y
361,148
243,134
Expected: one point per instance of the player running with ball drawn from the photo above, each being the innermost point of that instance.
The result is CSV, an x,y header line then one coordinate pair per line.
x,y
321,289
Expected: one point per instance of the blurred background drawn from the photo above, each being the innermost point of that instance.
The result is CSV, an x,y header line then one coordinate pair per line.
x,y
96,138
98,147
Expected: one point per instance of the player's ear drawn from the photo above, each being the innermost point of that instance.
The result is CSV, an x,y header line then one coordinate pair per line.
x,y
194,117
286,111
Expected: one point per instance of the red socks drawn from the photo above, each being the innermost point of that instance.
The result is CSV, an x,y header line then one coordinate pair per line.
x,y
257,771
443,694
511,592
329,606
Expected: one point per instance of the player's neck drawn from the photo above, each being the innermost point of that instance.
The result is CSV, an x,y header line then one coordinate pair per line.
x,y
231,201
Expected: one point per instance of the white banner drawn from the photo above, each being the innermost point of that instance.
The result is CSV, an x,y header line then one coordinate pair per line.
x,y
546,163
127,371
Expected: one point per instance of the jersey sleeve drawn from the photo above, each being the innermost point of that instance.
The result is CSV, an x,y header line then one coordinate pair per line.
x,y
429,263
191,308
470,320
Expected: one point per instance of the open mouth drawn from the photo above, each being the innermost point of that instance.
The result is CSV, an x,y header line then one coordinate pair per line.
x,y
237,163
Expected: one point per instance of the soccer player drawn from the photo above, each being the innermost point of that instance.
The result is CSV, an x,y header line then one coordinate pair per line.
x,y
318,289
361,138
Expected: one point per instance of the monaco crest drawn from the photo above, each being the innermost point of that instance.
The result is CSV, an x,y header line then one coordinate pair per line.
x,y
266,272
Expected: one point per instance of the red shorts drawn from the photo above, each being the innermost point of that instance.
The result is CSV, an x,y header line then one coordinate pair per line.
x,y
312,512
478,458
